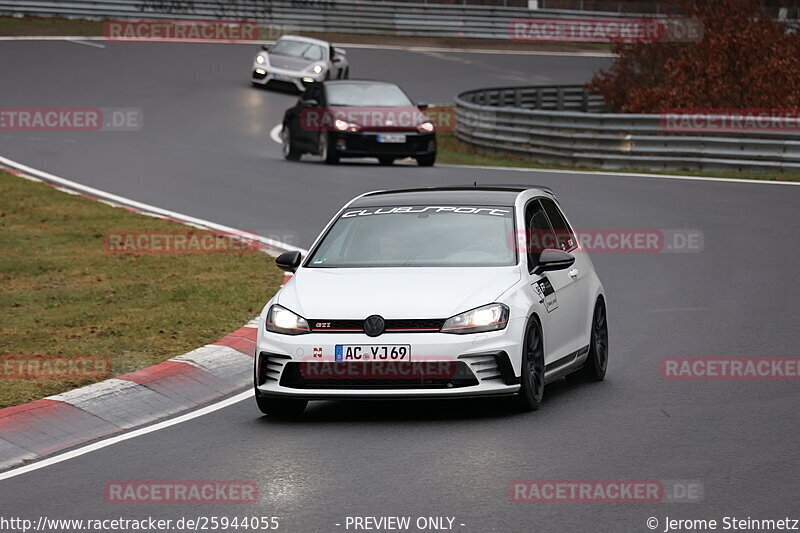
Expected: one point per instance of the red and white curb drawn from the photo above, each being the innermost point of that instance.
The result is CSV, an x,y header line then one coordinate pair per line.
x,y
43,427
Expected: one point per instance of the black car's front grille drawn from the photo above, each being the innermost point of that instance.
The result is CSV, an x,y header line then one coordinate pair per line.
x,y
368,143
378,375
403,325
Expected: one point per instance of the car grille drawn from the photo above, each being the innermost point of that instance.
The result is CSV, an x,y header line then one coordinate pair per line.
x,y
281,85
403,325
368,143
378,375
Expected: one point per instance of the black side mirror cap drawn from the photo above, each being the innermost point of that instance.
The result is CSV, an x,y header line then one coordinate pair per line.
x,y
422,106
551,259
288,261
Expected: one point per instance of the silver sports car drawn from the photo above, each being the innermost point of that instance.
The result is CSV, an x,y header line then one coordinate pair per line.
x,y
293,62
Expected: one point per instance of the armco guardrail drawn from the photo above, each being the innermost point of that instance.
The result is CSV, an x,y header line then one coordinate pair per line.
x,y
562,125
341,16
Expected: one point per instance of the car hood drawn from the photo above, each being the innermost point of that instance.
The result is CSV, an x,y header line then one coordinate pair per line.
x,y
356,293
289,62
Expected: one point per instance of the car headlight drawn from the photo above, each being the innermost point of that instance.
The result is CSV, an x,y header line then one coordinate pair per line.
x,y
281,320
490,317
341,125
260,59
316,69
425,127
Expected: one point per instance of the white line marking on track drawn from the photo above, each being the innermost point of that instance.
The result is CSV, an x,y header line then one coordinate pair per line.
x,y
628,175
275,134
86,43
126,436
343,45
102,195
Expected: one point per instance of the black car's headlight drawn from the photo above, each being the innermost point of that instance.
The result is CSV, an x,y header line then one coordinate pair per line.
x,y
281,320
487,318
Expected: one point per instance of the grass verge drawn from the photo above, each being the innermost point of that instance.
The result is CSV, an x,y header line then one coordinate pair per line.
x,y
64,296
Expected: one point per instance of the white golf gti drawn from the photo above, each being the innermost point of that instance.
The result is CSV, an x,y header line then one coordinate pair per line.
x,y
433,293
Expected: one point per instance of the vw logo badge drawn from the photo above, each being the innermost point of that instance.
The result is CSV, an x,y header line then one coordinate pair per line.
x,y
374,325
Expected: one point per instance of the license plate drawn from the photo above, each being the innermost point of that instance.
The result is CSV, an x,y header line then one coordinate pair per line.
x,y
373,352
391,138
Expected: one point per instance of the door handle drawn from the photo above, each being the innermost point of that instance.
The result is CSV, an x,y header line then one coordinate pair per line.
x,y
574,273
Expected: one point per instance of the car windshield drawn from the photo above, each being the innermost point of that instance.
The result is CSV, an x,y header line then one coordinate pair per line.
x,y
366,95
418,236
289,47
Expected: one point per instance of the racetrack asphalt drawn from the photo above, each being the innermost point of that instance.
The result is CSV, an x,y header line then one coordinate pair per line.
x,y
204,150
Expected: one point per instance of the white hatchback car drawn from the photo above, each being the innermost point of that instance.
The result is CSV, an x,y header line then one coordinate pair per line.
x,y
433,293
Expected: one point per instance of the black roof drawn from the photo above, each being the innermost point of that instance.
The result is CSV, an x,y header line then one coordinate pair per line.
x,y
499,195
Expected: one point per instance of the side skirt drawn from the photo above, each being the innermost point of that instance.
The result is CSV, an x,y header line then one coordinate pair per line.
x,y
566,365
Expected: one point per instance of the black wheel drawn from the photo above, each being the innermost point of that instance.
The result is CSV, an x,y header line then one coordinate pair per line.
x,y
386,161
280,407
287,147
426,160
325,154
597,361
530,394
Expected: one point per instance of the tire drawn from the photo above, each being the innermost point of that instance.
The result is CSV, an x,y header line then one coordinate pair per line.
x,y
530,394
324,150
594,369
426,160
280,407
386,161
290,153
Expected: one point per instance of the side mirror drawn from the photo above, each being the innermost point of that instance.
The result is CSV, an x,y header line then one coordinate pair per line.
x,y
266,47
288,261
309,103
422,106
551,259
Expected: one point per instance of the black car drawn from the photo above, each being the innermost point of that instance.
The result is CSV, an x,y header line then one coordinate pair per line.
x,y
352,118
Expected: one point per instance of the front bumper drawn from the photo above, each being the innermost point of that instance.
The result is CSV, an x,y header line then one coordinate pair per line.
x,y
365,144
442,366
273,76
